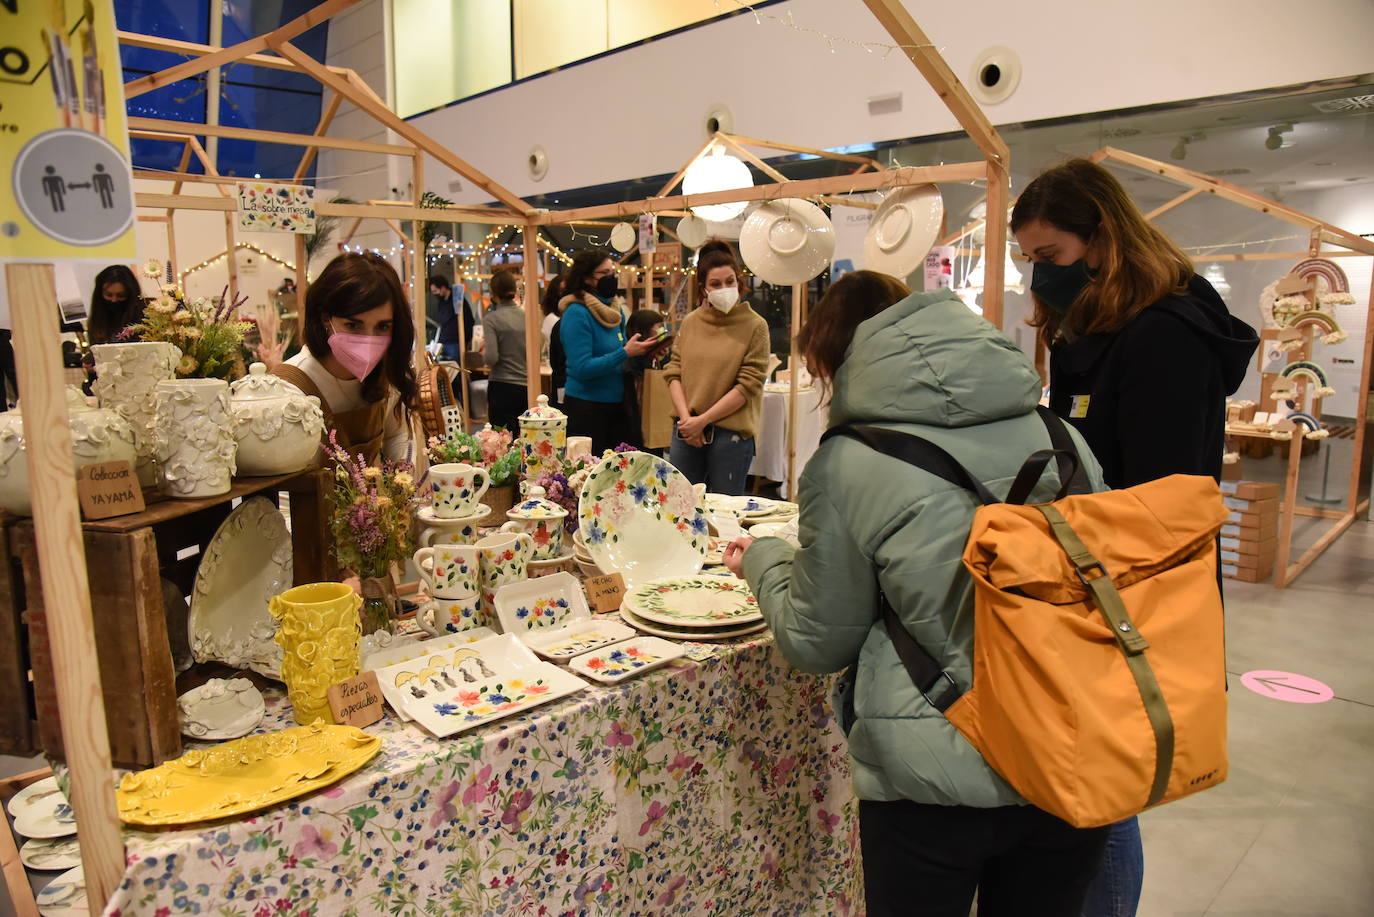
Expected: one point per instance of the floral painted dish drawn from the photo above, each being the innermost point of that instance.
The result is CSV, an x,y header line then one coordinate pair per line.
x,y
546,603
222,708
444,662
639,516
616,663
694,601
576,638
244,775
694,634
469,706
381,654
64,896
782,511
246,563
744,507
44,814
51,854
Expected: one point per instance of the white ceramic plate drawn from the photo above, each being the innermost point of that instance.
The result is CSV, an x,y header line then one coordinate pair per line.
x,y
222,708
639,517
692,230
694,601
33,795
64,896
787,531
544,604
623,237
404,650
51,854
904,227
787,241
744,507
45,816
695,634
246,563
784,512
783,388
466,664
426,515
620,661
471,705
562,644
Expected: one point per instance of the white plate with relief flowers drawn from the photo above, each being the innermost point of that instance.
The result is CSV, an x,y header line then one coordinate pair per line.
x,y
222,708
639,517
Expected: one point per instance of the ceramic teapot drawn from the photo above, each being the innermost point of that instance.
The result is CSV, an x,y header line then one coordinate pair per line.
x,y
276,425
542,520
98,435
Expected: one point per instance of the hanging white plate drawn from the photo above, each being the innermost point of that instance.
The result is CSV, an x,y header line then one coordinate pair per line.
x,y
246,563
639,516
692,231
694,601
694,634
51,854
222,708
787,241
64,896
613,664
904,227
623,237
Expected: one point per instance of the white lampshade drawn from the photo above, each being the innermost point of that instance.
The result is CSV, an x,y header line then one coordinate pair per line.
x,y
1011,275
1217,279
717,171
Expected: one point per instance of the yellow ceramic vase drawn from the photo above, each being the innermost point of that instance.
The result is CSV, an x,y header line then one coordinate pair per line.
x,y
319,632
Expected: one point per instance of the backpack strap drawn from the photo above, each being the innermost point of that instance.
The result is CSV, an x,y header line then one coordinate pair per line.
x,y
1062,441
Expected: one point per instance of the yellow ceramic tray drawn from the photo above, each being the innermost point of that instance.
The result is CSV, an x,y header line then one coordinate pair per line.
x,y
244,775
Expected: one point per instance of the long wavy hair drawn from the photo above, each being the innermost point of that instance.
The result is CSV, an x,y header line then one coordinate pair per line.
x,y
848,302
1140,265
104,322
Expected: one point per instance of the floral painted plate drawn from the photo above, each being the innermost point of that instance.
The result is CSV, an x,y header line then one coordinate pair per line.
x,y
616,663
694,601
469,706
782,511
246,563
51,854
64,896
639,516
695,634
243,775
563,643
44,814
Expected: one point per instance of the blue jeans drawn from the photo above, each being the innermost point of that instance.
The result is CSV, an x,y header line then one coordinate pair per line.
x,y
1115,891
722,464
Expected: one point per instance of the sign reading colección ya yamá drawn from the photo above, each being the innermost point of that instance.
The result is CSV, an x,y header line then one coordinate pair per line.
x,y
67,191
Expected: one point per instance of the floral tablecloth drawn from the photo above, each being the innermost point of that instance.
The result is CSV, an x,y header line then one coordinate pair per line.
x,y
719,787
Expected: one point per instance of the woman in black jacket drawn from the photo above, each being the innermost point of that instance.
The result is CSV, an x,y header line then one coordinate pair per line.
x,y
1143,354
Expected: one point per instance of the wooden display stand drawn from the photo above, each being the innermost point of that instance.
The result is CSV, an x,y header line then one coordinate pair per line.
x,y
127,558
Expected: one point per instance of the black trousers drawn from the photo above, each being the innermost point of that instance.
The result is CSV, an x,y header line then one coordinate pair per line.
x,y
505,404
606,422
927,861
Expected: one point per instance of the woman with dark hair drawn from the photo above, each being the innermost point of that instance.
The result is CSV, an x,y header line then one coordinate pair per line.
x,y
715,378
1143,353
553,292
592,335
503,336
359,341
936,823
116,303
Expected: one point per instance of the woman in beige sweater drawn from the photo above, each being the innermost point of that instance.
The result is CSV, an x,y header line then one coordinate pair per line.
x,y
715,378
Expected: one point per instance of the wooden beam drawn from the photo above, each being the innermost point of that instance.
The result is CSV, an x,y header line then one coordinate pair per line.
x,y
995,243
774,174
921,51
534,319
219,58
326,119
1359,471
1272,256
807,150
417,256
208,164
327,208
144,218
157,129
1170,205
404,128
838,184
677,176
195,49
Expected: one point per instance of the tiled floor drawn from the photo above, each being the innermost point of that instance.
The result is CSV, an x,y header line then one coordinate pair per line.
x,y
1291,833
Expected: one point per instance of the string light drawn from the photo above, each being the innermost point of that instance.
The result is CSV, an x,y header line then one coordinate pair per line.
x,y
830,40
181,278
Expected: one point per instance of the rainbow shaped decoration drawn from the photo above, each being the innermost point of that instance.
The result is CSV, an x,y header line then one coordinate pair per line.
x,y
1304,419
1306,369
1331,329
1336,281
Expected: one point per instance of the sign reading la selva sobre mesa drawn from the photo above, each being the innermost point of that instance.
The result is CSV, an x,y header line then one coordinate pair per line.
x,y
271,207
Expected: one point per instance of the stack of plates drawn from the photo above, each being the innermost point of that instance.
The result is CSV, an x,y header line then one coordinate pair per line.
x,y
693,608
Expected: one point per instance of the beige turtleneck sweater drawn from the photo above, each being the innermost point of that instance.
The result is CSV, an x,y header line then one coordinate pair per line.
x,y
714,353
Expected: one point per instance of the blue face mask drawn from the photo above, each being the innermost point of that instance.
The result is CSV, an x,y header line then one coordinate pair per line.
x,y
1058,285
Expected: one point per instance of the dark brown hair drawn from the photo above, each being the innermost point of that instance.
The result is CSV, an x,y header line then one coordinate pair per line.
x,y
504,285
850,301
1140,265
105,322
577,275
553,292
354,283
715,253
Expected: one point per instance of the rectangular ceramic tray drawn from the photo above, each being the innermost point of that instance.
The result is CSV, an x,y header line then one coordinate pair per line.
x,y
411,647
464,663
618,662
551,617
469,706
563,643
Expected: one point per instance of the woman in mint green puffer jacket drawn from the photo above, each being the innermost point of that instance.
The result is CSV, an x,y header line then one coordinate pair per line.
x,y
936,822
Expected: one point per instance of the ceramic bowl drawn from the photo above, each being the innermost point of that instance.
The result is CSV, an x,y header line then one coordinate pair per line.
x,y
787,241
904,227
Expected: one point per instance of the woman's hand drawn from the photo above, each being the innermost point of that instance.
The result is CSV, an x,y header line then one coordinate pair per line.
x,y
692,431
734,554
638,346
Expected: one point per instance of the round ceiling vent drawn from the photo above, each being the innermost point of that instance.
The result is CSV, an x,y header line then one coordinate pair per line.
x,y
538,163
719,118
995,75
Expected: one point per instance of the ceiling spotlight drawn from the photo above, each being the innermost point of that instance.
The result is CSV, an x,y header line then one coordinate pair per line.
x,y
1275,138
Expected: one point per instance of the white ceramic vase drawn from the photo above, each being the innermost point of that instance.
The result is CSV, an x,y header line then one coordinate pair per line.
x,y
193,438
98,435
126,378
276,425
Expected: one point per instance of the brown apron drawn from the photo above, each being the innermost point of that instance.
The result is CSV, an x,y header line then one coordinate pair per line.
x,y
359,430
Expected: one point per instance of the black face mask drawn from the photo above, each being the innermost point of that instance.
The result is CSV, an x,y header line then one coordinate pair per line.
x,y
1058,285
608,286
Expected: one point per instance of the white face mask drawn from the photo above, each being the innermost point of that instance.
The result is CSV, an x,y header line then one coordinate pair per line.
x,y
724,298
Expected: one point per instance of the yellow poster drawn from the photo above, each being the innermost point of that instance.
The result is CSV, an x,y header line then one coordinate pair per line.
x,y
66,190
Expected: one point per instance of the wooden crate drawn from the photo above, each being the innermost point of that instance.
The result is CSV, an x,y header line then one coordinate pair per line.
x,y
127,557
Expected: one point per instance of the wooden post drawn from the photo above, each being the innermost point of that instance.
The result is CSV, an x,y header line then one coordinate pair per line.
x,y
231,255
1360,470
62,556
417,257
171,250
995,242
1289,509
793,366
534,319
302,281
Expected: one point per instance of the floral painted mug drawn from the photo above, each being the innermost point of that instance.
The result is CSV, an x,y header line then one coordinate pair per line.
x,y
449,570
505,558
443,616
458,487
458,533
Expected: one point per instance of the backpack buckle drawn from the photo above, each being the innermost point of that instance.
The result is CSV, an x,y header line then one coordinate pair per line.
x,y
946,695
1095,565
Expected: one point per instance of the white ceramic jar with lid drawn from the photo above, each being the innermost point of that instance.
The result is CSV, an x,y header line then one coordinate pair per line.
x,y
277,426
542,520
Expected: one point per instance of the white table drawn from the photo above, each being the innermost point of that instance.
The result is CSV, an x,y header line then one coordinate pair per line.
x,y
770,446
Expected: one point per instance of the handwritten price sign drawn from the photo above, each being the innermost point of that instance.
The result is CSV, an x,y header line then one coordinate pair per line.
x,y
605,593
108,489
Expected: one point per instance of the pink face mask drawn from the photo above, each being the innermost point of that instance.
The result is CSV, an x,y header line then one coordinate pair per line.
x,y
359,353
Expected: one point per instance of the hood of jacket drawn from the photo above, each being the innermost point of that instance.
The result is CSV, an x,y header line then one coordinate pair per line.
x,y
1204,311
929,360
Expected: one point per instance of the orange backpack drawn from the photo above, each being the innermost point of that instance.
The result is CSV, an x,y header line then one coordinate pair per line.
x,y
1099,684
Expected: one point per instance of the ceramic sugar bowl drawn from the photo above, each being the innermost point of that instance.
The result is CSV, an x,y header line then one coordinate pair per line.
x,y
542,520
98,435
276,425
543,439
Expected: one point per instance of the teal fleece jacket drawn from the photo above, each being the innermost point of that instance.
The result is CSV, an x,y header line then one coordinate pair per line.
x,y
595,355
927,366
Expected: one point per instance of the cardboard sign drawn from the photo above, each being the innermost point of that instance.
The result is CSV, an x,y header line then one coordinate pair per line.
x,y
667,254
1290,284
108,489
356,701
605,593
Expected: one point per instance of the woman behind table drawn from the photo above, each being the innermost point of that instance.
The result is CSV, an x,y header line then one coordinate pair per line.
x,y
503,335
1143,353
936,823
116,303
359,339
649,326
594,345
715,378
